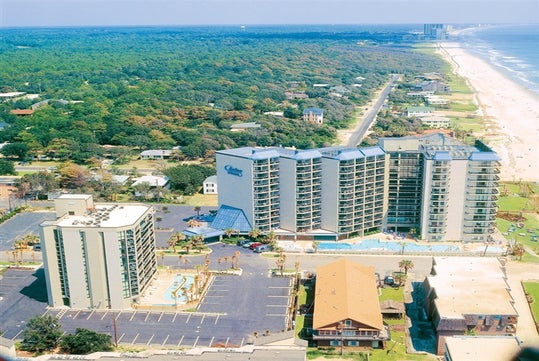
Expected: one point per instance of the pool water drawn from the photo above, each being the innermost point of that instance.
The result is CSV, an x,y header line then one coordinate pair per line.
x,y
180,281
377,245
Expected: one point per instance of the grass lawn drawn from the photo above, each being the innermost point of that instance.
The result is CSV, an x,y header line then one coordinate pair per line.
x,y
518,198
532,288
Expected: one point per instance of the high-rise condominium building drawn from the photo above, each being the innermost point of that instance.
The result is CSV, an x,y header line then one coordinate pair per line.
x,y
430,185
98,256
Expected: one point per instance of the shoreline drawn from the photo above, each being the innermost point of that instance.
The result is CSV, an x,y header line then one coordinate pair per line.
x,y
511,112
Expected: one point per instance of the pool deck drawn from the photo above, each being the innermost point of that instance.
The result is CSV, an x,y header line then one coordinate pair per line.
x,y
495,248
154,296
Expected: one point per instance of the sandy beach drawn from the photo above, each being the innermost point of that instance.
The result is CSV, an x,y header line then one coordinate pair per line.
x,y
511,112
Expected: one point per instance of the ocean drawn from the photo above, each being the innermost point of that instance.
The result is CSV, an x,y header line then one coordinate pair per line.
x,y
514,49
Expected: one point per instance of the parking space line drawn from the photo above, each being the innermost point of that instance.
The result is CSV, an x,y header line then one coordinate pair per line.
x,y
275,315
147,315
211,341
133,315
118,315
188,318
181,339
150,340
122,336
174,318
161,315
106,312
275,296
195,344
18,333
90,315
216,319
202,320
76,314
133,342
166,339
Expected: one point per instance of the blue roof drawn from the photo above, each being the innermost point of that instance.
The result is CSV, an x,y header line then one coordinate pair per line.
x,y
484,156
303,154
372,151
231,218
442,156
207,232
313,110
347,154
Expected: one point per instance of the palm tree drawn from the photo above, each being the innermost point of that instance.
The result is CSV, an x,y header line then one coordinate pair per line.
x,y
236,260
519,250
254,233
271,238
193,223
406,265
228,232
400,278
198,242
280,262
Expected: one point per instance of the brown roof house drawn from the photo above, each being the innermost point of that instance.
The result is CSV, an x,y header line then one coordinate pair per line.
x,y
346,307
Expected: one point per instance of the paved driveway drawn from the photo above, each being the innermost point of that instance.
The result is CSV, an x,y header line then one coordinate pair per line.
x,y
233,308
21,225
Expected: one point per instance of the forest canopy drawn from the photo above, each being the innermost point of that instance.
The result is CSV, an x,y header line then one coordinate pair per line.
x,y
152,88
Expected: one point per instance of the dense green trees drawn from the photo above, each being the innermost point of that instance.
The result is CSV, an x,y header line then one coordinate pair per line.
x,y
186,179
42,333
85,341
7,167
159,87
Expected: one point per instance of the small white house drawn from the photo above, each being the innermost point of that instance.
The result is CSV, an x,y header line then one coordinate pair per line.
x,y
209,186
313,115
156,154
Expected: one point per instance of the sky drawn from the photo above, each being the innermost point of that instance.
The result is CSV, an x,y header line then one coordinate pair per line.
x,y
20,13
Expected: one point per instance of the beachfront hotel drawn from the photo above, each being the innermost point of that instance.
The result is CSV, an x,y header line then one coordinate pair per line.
x,y
97,256
433,186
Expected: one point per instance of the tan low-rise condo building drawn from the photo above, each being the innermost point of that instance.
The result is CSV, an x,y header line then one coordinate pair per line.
x,y
469,296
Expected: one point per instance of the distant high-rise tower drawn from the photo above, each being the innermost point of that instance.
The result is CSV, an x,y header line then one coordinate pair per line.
x,y
436,31
98,256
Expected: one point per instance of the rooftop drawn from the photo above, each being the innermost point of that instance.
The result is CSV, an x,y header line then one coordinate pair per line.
x,y
105,215
482,348
346,290
462,284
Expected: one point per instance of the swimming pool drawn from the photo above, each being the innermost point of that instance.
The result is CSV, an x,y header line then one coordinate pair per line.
x,y
177,287
375,245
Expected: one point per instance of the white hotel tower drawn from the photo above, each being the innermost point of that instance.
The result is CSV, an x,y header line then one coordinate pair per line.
x,y
97,256
432,185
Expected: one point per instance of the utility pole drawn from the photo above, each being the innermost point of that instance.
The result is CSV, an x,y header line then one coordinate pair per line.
x,y
115,332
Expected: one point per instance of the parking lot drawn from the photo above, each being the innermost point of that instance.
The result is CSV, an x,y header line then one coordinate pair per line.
x,y
232,310
21,225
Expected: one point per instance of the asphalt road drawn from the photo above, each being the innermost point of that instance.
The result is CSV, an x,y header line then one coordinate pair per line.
x,y
362,127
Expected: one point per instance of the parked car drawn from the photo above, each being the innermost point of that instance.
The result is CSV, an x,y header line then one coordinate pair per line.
x,y
37,247
241,241
262,248
389,280
247,244
254,245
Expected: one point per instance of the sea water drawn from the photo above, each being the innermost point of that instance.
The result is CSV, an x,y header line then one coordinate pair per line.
x,y
514,49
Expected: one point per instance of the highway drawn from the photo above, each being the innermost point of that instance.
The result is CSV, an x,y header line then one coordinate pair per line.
x,y
369,117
